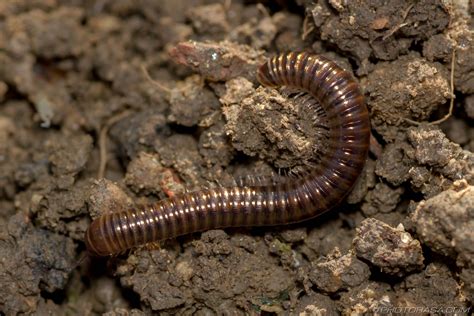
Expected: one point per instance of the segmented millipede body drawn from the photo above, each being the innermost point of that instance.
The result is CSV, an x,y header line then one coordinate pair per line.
x,y
290,201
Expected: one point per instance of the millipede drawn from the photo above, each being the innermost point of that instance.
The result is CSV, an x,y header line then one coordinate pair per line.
x,y
296,199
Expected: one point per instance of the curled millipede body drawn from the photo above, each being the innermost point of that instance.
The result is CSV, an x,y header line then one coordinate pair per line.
x,y
258,205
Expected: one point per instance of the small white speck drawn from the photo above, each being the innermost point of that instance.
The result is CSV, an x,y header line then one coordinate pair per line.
x,y
405,238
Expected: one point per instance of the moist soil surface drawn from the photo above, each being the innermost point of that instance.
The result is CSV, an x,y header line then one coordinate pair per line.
x,y
108,105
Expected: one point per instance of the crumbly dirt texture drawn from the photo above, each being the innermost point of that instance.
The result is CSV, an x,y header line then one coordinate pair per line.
x,y
106,105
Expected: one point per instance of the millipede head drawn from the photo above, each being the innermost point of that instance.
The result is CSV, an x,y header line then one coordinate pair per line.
x,y
96,244
264,75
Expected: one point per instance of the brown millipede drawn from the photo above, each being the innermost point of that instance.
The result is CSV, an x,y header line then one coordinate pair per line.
x,y
257,205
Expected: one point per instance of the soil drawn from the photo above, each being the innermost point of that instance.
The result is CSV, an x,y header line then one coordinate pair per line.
x,y
106,104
